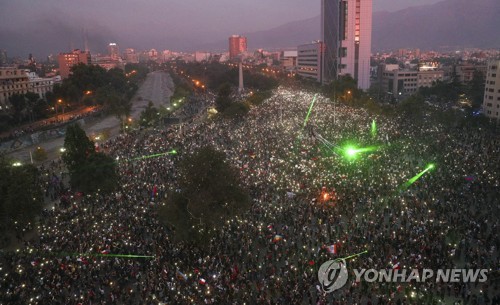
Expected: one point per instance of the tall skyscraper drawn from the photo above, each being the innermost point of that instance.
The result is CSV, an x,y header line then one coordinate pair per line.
x,y
237,45
113,51
346,29
491,102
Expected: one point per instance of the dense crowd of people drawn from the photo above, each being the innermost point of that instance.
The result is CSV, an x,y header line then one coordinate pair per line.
x,y
306,196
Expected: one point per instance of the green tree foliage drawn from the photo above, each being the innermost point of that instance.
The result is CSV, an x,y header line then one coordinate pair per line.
x,y
119,107
444,92
344,89
78,147
89,170
18,103
148,115
183,89
214,75
223,100
92,84
413,108
5,122
258,97
21,197
117,80
210,194
28,107
67,91
50,98
237,110
90,77
98,173
31,97
136,72
40,154
41,109
475,89
31,101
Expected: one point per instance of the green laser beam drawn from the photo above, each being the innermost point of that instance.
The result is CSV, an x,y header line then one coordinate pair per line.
x,y
351,256
124,255
351,152
309,111
172,152
374,129
416,177
109,255
299,136
59,254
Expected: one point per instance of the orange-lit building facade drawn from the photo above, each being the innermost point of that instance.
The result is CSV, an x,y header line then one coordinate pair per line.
x,y
68,60
237,45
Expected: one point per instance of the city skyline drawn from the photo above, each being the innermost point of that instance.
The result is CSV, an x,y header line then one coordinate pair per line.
x,y
180,24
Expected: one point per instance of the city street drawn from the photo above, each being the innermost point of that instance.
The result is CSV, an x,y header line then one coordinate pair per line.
x,y
157,88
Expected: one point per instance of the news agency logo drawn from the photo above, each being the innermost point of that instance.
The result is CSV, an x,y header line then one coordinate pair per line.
x,y
333,275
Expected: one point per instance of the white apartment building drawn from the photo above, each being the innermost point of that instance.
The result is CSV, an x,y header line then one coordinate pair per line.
x,y
491,102
403,83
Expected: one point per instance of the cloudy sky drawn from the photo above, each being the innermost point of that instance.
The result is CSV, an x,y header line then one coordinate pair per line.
x,y
51,26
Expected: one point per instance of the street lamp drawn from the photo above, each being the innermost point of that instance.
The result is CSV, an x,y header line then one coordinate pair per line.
x,y
59,101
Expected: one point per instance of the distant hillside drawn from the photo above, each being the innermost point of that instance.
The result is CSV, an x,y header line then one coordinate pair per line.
x,y
463,23
288,35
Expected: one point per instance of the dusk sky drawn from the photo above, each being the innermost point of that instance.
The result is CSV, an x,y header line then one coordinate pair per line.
x,y
51,26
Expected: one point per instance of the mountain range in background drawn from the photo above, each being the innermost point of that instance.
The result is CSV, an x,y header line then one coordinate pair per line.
x,y
449,23
446,24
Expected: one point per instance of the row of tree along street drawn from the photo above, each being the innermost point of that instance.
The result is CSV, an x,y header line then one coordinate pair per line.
x,y
88,85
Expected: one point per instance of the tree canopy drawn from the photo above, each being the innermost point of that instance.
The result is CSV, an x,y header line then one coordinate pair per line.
x,y
223,100
210,193
21,197
92,84
344,89
78,147
215,75
148,115
89,170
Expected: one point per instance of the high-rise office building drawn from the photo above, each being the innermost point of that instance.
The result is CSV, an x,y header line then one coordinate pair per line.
x,y
237,45
309,60
68,60
491,103
113,51
346,29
